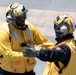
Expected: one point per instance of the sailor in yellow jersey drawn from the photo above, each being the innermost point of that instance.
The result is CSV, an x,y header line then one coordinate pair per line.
x,y
63,55
15,35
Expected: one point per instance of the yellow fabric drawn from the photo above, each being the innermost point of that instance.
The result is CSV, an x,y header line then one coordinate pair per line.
x,y
59,21
13,59
61,65
70,69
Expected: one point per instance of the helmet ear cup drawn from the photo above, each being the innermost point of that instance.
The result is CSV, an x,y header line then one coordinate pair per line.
x,y
8,18
64,29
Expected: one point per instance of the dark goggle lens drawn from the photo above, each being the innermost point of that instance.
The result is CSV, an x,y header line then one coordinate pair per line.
x,y
21,18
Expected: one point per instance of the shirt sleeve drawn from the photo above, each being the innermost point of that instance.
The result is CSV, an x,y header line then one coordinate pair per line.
x,y
61,53
41,40
6,50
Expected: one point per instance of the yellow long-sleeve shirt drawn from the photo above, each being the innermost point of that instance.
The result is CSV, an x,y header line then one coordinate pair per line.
x,y
13,59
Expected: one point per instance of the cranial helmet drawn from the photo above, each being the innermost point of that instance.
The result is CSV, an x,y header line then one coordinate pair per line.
x,y
16,15
63,25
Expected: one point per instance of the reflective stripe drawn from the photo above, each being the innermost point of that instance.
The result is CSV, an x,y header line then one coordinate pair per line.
x,y
28,32
14,34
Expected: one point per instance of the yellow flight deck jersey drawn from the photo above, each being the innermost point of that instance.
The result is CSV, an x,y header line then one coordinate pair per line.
x,y
70,68
12,43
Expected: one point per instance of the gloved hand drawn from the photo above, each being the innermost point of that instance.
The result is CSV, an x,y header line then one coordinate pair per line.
x,y
29,52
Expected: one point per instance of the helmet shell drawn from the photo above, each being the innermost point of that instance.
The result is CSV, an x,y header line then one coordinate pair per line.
x,y
16,14
65,19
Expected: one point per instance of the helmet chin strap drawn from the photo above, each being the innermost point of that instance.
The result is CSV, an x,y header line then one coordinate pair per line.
x,y
20,27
